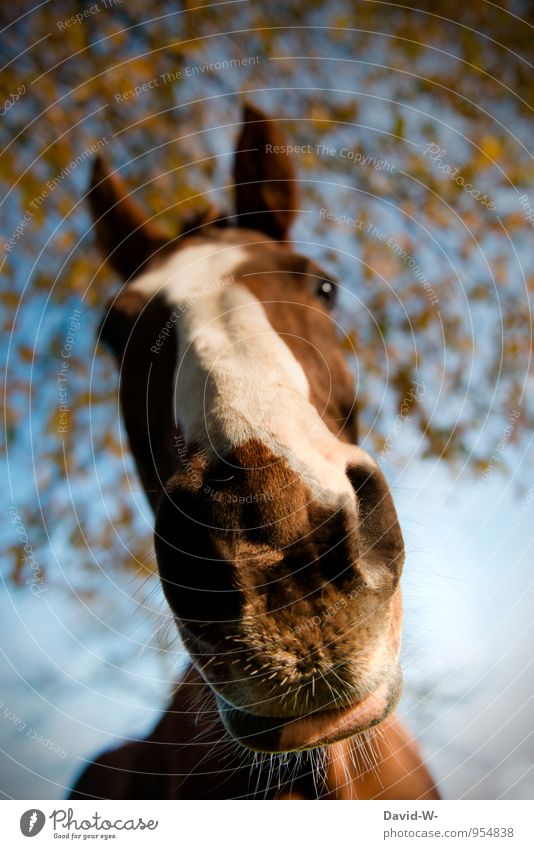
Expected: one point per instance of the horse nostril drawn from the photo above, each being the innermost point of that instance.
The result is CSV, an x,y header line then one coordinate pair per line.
x,y
380,537
338,559
199,588
207,595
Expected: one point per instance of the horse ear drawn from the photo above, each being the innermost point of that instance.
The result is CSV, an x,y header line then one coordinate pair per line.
x,y
265,183
125,237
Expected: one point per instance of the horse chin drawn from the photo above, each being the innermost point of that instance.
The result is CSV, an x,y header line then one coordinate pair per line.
x,y
311,730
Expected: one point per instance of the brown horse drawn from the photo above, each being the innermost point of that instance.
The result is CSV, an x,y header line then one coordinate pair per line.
x,y
277,541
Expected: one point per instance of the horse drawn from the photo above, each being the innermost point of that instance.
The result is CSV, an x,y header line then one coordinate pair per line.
x,y
277,541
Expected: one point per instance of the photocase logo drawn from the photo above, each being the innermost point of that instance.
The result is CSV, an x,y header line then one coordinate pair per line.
x,y
32,822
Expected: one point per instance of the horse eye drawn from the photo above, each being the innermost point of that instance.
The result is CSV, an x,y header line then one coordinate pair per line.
x,y
326,290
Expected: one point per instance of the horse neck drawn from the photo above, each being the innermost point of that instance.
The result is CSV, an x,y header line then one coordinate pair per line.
x,y
190,756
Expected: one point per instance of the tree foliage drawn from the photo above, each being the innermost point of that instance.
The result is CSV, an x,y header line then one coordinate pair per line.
x,y
400,109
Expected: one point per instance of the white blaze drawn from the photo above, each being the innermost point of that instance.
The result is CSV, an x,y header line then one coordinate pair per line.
x,y
236,379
